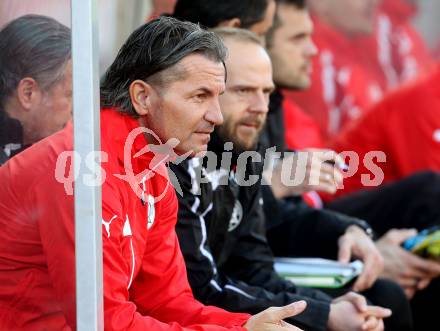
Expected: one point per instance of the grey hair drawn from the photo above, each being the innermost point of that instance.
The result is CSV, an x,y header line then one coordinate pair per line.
x,y
32,46
149,52
239,35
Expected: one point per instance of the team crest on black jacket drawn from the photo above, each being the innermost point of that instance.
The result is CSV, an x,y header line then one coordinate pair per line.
x,y
236,217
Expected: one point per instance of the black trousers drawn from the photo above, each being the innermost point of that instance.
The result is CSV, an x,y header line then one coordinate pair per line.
x,y
425,308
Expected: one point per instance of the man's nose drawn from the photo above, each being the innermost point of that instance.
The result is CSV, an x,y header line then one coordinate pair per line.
x,y
260,102
312,49
214,114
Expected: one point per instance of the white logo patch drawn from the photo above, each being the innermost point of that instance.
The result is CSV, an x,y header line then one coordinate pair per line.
x,y
151,212
236,217
107,225
126,231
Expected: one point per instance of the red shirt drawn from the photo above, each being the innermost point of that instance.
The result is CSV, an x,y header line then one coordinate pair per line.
x,y
405,125
351,74
341,89
145,282
400,11
301,131
396,53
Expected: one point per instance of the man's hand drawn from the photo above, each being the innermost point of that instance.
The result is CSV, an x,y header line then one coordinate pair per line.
x,y
272,318
356,243
351,312
413,273
314,169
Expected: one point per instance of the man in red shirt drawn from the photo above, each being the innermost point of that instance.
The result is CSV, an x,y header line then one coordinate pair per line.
x,y
410,203
364,51
341,89
167,77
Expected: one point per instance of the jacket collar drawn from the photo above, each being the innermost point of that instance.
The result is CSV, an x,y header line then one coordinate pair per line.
x,y
216,145
11,130
124,131
117,127
276,101
329,36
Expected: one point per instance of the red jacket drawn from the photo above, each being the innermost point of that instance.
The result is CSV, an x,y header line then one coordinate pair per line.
x,y
145,281
351,74
341,89
405,125
396,53
301,131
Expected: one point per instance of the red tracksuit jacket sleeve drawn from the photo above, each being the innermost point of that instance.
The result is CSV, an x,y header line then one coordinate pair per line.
x,y
160,290
164,265
159,297
145,286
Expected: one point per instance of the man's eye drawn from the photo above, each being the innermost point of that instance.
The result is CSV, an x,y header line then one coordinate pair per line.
x,y
200,97
299,38
243,91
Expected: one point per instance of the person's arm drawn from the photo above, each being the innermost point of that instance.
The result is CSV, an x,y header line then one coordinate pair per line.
x,y
290,223
312,169
256,266
55,213
335,236
212,285
120,310
177,302
410,271
252,262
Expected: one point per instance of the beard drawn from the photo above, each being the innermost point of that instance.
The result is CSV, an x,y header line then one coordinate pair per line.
x,y
229,132
298,82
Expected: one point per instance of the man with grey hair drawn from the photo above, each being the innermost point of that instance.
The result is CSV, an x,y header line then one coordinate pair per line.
x,y
35,82
162,87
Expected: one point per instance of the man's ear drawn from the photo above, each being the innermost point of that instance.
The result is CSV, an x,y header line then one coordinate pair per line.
x,y
142,97
28,93
232,23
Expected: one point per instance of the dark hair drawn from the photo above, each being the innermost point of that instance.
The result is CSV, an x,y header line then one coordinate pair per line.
x,y
154,47
239,35
298,4
32,46
210,13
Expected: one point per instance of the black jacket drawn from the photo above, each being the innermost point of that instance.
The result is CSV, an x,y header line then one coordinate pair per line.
x,y
292,215
221,229
11,137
